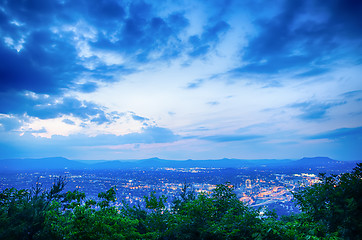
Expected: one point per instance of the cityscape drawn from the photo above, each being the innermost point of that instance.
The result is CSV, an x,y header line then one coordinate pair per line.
x,y
265,188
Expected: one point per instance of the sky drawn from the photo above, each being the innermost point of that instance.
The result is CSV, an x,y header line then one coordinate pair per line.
x,y
252,79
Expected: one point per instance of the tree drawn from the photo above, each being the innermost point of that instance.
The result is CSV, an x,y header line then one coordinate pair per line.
x,y
22,212
77,218
336,202
186,195
219,215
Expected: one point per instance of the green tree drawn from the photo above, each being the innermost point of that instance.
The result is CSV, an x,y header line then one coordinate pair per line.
x,y
217,216
154,219
186,195
22,212
77,218
335,202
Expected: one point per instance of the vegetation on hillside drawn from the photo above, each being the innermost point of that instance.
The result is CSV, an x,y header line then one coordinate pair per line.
x,y
330,210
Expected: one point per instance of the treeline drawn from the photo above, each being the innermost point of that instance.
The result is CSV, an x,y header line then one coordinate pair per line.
x,y
331,209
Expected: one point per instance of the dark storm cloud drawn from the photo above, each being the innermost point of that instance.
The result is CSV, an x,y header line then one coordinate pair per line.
x,y
302,35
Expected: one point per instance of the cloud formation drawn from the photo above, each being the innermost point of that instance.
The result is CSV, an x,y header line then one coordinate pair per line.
x,y
73,145
57,43
305,37
231,138
314,110
189,74
46,106
340,133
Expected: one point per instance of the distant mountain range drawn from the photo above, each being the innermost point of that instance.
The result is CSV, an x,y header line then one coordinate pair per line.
x,y
63,163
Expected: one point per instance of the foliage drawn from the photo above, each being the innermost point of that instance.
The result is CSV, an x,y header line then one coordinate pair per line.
x,y
335,202
22,212
80,219
186,195
217,216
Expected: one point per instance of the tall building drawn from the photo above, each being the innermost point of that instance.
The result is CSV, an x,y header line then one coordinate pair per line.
x,y
248,183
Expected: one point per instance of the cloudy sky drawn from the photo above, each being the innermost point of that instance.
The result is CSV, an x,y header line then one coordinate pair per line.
x,y
193,79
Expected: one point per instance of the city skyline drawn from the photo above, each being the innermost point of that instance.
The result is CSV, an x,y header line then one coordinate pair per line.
x,y
106,80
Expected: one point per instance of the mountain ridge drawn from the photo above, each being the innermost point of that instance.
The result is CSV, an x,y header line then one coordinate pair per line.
x,y
53,163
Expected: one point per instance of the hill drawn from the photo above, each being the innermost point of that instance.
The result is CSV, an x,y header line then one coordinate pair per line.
x,y
63,163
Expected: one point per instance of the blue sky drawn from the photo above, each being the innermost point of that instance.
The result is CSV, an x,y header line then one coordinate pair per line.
x,y
181,79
